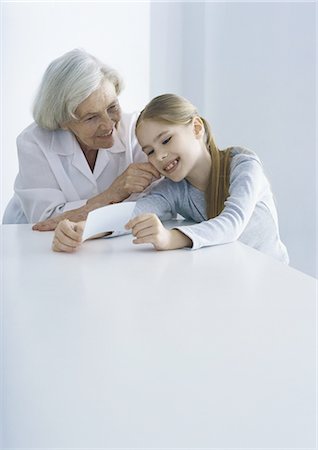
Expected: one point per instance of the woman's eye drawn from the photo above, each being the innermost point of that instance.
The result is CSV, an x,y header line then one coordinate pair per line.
x,y
89,118
166,141
113,108
150,152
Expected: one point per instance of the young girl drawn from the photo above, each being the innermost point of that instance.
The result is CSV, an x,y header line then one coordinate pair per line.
x,y
224,192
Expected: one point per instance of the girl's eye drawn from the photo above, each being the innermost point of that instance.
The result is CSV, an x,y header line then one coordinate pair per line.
x,y
166,141
150,152
89,118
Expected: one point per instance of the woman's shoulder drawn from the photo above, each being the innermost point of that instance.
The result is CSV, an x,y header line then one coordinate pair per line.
x,y
35,132
36,136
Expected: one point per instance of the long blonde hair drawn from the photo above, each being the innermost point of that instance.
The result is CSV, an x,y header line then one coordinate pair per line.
x,y
177,110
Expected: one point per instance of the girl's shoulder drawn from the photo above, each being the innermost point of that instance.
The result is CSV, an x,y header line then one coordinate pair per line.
x,y
243,154
246,166
165,183
166,186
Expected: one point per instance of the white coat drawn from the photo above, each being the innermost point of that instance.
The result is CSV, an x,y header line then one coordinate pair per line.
x,y
54,175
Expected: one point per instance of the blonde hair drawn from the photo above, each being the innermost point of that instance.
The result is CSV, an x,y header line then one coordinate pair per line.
x,y
177,110
67,82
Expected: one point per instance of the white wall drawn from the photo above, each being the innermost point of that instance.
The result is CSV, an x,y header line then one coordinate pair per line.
x,y
250,69
35,33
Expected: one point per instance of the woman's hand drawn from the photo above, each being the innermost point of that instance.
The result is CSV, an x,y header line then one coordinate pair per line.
x,y
135,179
68,236
148,229
74,215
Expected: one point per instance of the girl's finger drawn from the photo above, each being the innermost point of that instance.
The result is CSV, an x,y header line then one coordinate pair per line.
x,y
145,229
62,238
142,226
145,240
59,246
70,229
138,219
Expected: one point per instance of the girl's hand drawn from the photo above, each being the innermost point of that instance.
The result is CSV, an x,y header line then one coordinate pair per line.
x,y
67,236
148,229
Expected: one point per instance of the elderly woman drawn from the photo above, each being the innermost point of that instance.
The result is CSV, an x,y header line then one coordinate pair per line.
x,y
81,153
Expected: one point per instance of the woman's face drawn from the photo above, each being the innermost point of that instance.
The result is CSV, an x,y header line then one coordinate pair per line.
x,y
97,117
175,150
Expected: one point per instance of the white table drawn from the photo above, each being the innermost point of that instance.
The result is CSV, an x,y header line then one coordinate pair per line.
x,y
120,346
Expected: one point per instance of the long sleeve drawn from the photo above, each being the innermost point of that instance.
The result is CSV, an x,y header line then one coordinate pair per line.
x,y
247,182
249,213
159,201
36,185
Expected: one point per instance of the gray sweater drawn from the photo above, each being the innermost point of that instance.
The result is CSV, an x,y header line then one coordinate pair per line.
x,y
249,214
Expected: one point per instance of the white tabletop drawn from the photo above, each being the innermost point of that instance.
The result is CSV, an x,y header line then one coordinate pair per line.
x,y
120,346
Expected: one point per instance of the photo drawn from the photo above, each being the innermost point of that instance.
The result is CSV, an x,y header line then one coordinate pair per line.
x,y
158,225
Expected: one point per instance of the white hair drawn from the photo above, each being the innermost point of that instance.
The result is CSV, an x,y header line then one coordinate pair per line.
x,y
66,83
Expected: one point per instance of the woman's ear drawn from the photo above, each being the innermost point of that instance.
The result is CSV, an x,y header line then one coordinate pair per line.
x,y
198,127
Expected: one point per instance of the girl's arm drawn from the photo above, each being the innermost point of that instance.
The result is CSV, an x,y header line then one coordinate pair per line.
x,y
248,185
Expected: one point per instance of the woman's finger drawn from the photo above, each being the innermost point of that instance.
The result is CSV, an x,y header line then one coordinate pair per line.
x,y
146,168
46,225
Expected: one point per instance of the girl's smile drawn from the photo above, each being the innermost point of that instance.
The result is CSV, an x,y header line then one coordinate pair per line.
x,y
171,166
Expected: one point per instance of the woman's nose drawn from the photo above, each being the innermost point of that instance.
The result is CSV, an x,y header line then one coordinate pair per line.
x,y
106,121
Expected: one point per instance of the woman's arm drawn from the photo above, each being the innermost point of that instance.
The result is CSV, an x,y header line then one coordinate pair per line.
x,y
47,192
135,179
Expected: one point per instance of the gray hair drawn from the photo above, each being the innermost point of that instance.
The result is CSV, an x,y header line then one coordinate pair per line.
x,y
66,83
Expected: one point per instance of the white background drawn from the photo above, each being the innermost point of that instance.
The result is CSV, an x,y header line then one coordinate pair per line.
x,y
248,66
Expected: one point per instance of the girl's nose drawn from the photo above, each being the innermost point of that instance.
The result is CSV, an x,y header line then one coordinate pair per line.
x,y
162,155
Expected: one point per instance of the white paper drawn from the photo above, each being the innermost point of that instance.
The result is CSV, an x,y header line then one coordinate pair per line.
x,y
109,218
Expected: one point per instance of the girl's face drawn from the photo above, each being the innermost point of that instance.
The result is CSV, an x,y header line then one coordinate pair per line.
x,y
97,117
177,151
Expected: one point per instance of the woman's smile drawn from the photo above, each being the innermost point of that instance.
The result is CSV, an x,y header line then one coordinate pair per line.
x,y
106,134
105,140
